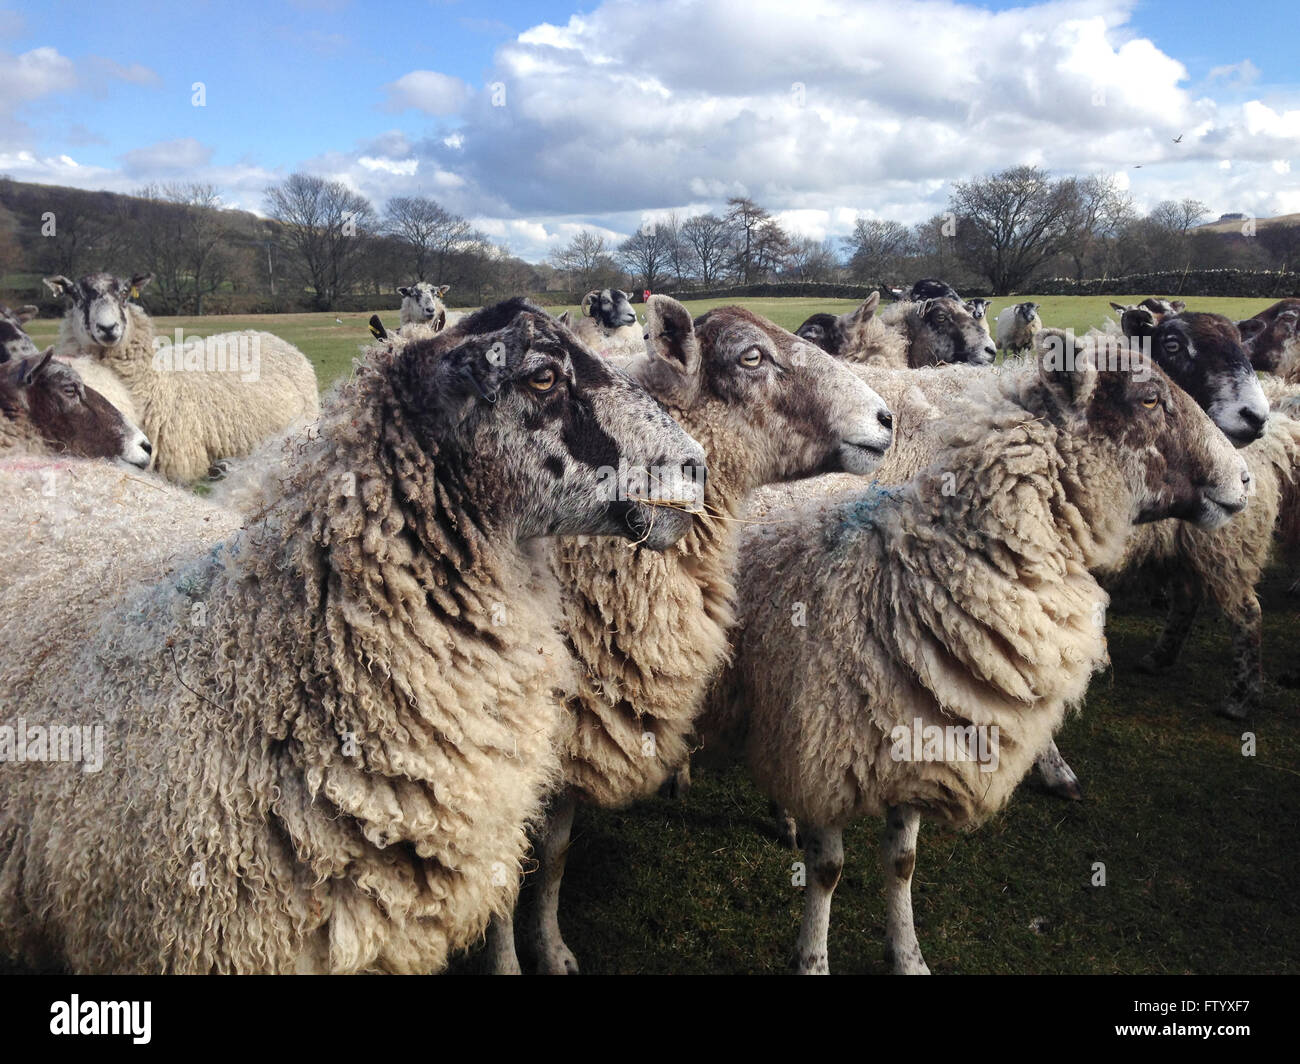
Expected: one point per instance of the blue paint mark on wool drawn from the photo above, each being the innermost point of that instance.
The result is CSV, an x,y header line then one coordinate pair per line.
x,y
863,512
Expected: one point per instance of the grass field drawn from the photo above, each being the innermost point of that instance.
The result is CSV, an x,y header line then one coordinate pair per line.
x,y
1199,842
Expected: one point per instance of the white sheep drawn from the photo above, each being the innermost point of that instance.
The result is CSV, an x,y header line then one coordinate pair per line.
x,y
323,736
1017,325
422,305
608,323
910,650
650,630
200,400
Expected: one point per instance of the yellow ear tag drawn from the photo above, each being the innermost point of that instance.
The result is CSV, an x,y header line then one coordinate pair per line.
x,y
374,332
135,292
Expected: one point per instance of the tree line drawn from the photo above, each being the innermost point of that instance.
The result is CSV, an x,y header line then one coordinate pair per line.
x,y
321,245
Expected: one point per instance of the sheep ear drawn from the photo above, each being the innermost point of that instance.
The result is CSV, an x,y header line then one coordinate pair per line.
x,y
1138,321
587,300
566,319
26,313
1250,328
24,371
865,309
1118,308
442,290
139,283
1178,305
404,290
377,329
1066,367
60,286
670,335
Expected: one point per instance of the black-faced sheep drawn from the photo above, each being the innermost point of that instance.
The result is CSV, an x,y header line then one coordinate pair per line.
x,y
608,323
910,650
979,310
199,400
1270,338
45,408
1016,327
903,334
323,736
650,630
929,288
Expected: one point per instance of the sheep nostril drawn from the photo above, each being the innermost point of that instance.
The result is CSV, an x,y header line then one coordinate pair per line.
x,y
147,447
886,419
1252,418
1245,477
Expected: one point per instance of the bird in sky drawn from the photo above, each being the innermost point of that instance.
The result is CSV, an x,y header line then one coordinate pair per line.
x,y
1178,139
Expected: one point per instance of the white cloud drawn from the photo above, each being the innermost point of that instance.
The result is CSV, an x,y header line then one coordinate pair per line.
x,y
167,157
403,168
427,91
34,74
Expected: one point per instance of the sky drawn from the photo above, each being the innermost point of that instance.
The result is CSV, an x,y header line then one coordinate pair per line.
x,y
537,120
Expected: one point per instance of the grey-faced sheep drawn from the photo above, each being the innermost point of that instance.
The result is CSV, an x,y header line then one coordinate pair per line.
x,y
422,305
1270,338
324,735
1016,327
650,630
14,341
608,324
45,408
903,334
979,310
911,650
200,401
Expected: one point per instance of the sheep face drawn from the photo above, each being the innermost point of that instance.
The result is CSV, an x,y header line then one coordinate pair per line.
x,y
928,288
978,308
838,334
14,341
1203,354
1170,458
97,306
945,331
777,407
1027,312
69,417
422,302
610,306
559,441
1270,337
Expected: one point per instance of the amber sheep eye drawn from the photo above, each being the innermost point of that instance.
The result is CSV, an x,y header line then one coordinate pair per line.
x,y
1151,401
543,380
751,358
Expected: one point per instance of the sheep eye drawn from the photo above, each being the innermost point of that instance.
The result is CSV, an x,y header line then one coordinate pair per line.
x,y
1172,346
941,317
1151,401
543,380
752,357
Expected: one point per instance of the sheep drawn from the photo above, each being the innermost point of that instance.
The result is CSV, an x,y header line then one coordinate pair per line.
x,y
907,333
979,310
324,734
650,631
1270,337
199,401
910,650
608,323
928,288
1016,327
14,341
1202,354
46,409
422,304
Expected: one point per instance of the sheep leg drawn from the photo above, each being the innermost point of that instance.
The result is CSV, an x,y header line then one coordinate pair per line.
x,y
501,955
1057,776
898,854
787,828
1247,672
676,785
824,860
553,956
1184,601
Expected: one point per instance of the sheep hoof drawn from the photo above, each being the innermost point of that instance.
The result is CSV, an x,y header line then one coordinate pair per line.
x,y
909,962
676,786
787,833
814,964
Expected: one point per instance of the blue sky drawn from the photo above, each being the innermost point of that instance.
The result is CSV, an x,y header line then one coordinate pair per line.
x,y
637,108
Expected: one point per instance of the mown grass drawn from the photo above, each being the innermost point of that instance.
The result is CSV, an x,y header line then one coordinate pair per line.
x,y
1199,842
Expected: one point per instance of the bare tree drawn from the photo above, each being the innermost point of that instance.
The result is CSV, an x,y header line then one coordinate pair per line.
x,y
1282,242
1102,209
180,237
586,260
745,219
647,254
811,259
325,225
877,249
432,232
707,242
1010,223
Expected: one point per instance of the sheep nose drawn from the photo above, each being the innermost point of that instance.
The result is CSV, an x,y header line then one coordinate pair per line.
x,y
1245,478
1253,419
146,446
886,419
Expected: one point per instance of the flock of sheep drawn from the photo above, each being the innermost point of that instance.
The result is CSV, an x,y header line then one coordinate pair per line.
x,y
516,564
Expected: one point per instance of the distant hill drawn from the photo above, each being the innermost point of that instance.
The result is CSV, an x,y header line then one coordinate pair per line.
x,y
1233,225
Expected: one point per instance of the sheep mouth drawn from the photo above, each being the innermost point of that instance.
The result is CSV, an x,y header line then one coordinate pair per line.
x,y
655,524
1214,513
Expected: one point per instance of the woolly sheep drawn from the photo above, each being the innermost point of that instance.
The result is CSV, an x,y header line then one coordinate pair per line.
x,y
422,304
14,341
324,735
650,630
608,324
45,408
1016,327
903,334
210,399
961,603
1270,338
